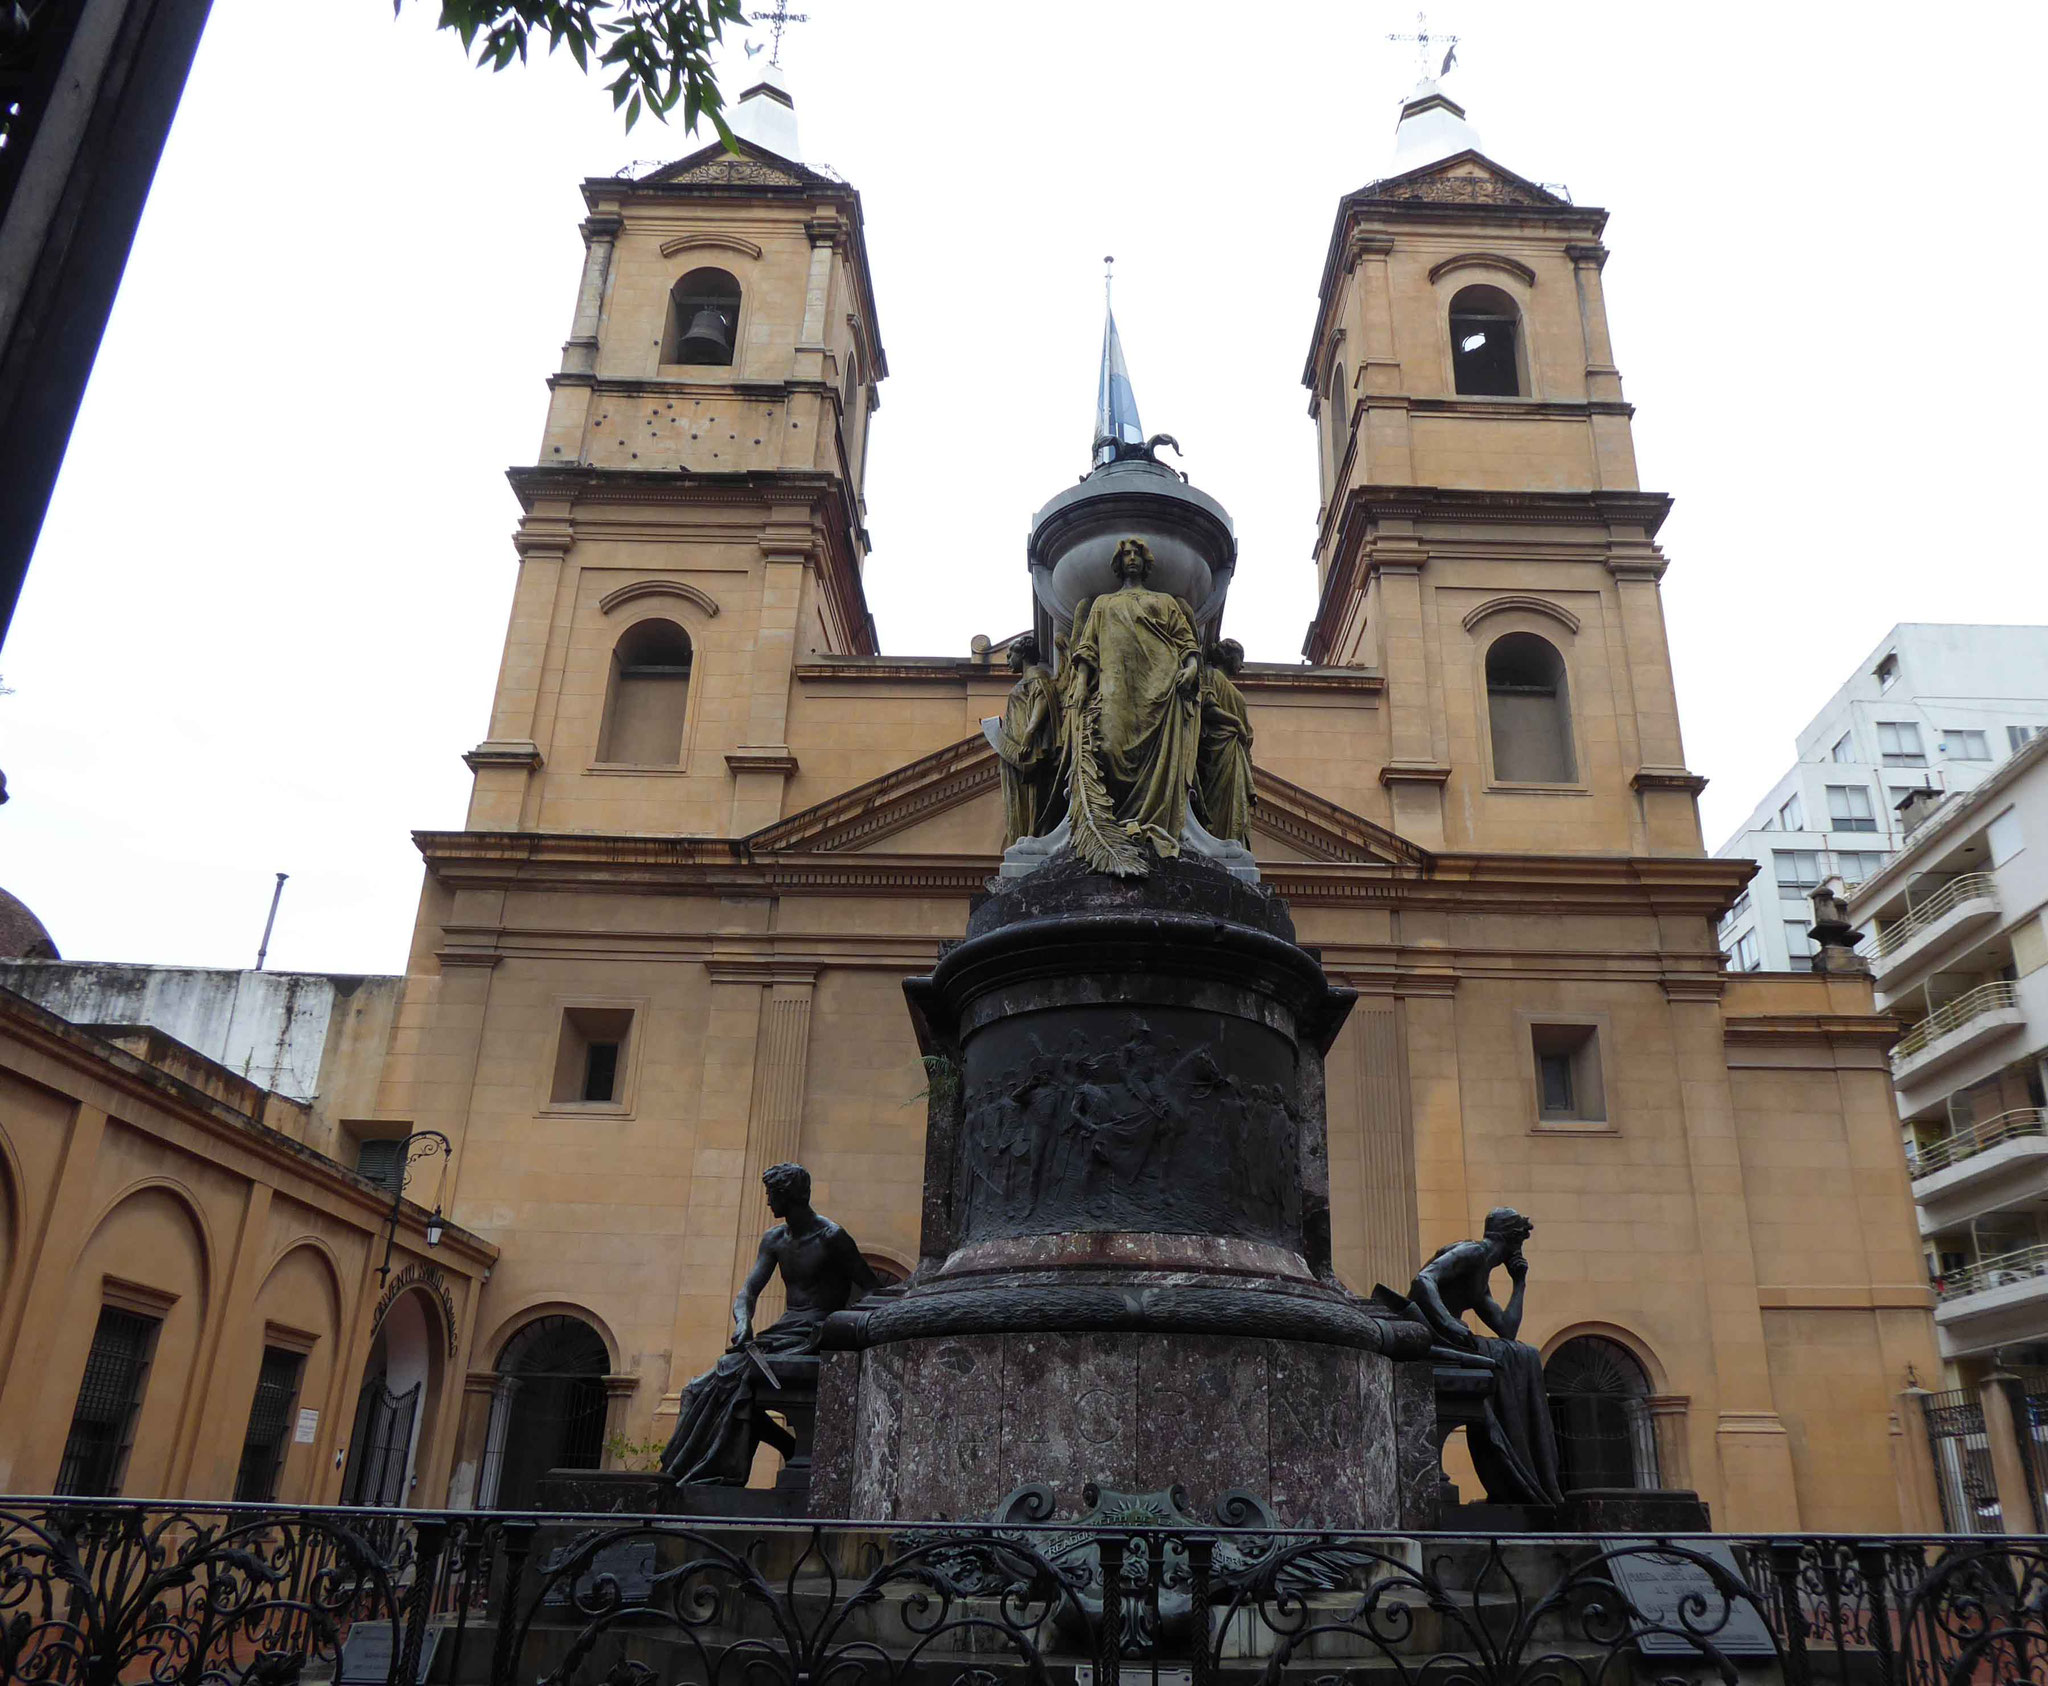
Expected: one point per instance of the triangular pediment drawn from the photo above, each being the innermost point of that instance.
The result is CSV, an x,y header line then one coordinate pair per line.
x,y
950,803
751,166
1465,178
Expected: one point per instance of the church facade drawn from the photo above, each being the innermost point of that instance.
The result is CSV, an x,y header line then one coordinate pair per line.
x,y
714,826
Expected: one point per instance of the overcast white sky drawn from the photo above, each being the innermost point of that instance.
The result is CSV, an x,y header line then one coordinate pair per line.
x,y
265,618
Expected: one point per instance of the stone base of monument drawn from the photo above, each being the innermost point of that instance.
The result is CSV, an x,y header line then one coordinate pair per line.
x,y
1125,1273
945,1428
1628,1510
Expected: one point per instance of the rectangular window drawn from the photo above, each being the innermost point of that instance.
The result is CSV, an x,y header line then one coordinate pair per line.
x,y
1845,748
590,1062
1850,808
1798,872
1961,745
1898,744
1568,1084
381,1161
2016,736
1855,865
1744,954
2002,837
1798,946
1887,673
109,1398
270,1424
1791,815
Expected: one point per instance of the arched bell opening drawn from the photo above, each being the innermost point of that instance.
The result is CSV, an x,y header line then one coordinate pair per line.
x,y
703,319
1600,1409
547,1410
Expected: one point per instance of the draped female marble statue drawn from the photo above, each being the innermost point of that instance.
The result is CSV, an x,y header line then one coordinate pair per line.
x,y
1028,746
1223,766
718,1424
1133,720
1515,1450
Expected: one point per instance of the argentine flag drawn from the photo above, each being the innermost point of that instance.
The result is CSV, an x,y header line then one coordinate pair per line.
x,y
1116,405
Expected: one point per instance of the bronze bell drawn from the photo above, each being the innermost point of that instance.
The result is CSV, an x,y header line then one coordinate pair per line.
x,y
709,339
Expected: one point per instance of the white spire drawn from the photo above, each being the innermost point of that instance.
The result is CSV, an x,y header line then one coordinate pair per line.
x,y
765,114
1432,126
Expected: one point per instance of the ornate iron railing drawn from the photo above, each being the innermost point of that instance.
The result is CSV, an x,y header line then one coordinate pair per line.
x,y
1968,887
1967,1144
1985,998
109,1592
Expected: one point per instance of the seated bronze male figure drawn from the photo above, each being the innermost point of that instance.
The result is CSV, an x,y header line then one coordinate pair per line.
x,y
721,1420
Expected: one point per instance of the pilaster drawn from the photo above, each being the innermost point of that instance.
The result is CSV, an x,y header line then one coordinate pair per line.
x,y
570,390
761,765
224,1382
775,1123
46,1268
1757,1489
1414,774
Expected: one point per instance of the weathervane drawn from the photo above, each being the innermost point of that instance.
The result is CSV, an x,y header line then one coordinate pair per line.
x,y
778,19
1424,40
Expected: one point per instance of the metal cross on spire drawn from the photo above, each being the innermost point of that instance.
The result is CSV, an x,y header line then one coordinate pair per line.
x,y
777,18
1424,41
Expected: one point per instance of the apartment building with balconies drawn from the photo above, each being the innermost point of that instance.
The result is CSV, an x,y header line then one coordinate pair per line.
x,y
1932,708
1955,935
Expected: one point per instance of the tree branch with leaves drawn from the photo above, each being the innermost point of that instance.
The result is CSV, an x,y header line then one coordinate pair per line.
x,y
658,51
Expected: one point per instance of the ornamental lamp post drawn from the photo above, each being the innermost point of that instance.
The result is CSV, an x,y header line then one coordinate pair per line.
x,y
421,1144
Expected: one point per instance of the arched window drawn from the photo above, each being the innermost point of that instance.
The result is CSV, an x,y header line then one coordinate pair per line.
x,y
1340,422
1486,362
1600,1408
703,319
1529,709
649,692
547,1411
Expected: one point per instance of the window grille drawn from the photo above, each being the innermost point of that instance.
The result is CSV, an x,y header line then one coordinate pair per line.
x,y
109,1396
381,1161
270,1419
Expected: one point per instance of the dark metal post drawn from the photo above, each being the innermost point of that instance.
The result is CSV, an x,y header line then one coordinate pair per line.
x,y
1109,1639
1201,1554
518,1547
435,1143
1785,1559
1874,1564
430,1536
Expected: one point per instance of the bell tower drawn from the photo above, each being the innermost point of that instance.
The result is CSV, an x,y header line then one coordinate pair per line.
x,y
1482,539
694,525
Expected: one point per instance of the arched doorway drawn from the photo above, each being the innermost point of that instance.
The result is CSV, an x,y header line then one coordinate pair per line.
x,y
1600,1407
391,1407
547,1412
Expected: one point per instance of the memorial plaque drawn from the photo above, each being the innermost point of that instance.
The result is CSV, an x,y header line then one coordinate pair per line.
x,y
1657,1585
309,1426
366,1654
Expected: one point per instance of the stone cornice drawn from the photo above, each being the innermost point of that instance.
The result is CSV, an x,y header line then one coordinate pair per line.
x,y
1694,886
834,519
1878,1030
1366,507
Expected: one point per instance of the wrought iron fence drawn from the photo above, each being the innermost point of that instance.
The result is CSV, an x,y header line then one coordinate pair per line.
x,y
108,1592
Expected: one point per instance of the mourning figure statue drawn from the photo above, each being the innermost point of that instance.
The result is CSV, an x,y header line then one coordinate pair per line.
x,y
720,1422
1513,1450
1223,765
1028,747
1132,720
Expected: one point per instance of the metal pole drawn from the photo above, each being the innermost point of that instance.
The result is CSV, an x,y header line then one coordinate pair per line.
x,y
276,895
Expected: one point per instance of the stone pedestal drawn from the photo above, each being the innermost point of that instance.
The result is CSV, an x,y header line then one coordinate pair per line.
x,y
1126,1271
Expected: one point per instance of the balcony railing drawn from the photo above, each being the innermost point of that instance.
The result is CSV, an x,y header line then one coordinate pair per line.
x,y
1999,1271
1967,1144
1985,998
1970,887
98,1591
